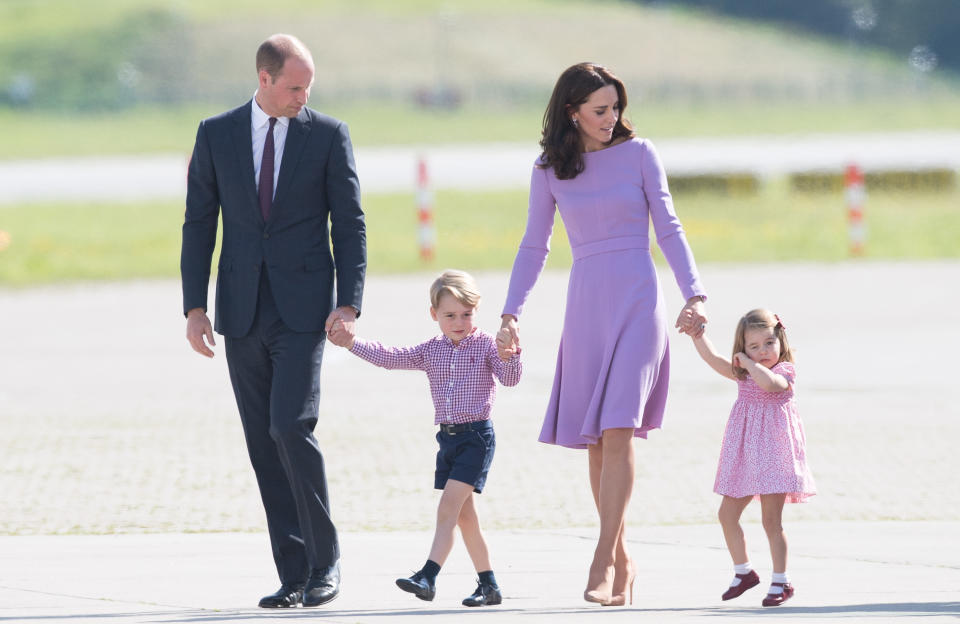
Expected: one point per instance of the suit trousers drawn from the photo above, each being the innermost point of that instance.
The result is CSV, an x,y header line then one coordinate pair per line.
x,y
275,374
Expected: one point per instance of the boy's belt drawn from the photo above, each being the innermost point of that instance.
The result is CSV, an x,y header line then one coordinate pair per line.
x,y
477,425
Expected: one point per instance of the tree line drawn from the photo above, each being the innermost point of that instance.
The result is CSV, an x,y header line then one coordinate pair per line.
x,y
923,32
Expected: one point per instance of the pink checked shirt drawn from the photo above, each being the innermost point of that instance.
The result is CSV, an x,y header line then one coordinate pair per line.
x,y
461,377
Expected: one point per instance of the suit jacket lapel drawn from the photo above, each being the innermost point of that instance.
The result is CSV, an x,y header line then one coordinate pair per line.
x,y
243,139
297,135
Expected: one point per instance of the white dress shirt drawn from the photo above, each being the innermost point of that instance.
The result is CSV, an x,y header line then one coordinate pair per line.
x,y
259,122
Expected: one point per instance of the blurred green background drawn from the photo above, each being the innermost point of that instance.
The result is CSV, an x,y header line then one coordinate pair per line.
x,y
108,77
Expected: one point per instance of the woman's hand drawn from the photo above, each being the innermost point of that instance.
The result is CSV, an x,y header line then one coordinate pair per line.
x,y
692,319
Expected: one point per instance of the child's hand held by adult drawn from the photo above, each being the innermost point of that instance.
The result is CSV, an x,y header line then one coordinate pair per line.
x,y
692,319
341,334
505,345
509,323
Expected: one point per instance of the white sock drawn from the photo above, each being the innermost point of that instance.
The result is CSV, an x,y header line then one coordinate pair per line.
x,y
778,578
740,568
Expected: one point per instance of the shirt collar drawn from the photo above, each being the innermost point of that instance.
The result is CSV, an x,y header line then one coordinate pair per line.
x,y
259,119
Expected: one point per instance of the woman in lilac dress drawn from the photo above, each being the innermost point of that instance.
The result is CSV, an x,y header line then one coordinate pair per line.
x,y
613,364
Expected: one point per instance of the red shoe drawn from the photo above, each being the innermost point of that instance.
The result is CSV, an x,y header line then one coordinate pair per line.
x,y
774,600
748,580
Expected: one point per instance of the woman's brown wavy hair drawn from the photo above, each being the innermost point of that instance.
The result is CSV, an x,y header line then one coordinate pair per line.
x,y
562,148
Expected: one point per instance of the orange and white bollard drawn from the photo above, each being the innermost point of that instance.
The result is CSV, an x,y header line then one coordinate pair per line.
x,y
856,193
426,234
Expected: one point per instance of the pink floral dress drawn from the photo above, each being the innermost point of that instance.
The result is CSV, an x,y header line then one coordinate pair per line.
x,y
764,446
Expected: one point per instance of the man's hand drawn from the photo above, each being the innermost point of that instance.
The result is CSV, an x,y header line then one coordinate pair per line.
x,y
198,327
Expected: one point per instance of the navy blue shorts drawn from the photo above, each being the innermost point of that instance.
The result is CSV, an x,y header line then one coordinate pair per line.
x,y
465,454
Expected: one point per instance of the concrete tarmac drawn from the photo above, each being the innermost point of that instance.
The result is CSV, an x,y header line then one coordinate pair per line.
x,y
843,572
128,496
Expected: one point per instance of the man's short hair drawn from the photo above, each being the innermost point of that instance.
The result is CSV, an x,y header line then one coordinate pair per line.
x,y
274,52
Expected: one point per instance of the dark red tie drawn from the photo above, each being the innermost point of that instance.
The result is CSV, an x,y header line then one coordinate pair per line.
x,y
266,173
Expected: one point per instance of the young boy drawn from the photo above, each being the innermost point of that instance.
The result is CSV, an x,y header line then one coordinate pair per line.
x,y
461,364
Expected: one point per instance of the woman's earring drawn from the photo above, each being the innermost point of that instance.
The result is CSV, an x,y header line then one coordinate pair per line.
x,y
573,120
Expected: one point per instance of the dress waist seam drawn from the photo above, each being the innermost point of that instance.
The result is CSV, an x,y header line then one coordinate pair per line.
x,y
608,245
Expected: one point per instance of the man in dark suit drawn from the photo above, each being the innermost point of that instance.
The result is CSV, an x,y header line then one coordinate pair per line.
x,y
278,173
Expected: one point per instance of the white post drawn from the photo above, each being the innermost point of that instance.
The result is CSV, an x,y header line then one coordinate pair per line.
x,y
426,234
856,198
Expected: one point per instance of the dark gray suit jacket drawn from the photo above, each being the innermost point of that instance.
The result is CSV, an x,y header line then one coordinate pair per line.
x,y
317,185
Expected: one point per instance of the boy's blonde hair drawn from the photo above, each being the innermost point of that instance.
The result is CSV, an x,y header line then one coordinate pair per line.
x,y
759,319
458,284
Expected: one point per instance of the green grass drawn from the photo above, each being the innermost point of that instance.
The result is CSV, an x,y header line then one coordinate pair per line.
x,y
721,77
474,231
784,118
778,226
477,231
31,18
40,135
63,242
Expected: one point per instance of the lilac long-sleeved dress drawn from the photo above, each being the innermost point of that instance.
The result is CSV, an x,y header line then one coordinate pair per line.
x,y
613,363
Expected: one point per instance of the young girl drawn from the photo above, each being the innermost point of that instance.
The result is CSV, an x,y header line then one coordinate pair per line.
x,y
764,448
462,364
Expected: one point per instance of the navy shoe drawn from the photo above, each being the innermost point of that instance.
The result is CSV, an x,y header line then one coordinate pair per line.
x,y
322,586
486,594
418,585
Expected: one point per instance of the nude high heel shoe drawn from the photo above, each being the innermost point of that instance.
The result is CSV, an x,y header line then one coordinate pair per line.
x,y
619,598
599,591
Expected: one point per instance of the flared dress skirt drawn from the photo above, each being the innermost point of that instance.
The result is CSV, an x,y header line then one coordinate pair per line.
x,y
613,361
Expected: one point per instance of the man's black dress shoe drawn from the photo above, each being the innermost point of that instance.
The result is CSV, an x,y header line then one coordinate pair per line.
x,y
322,586
486,594
286,596
419,586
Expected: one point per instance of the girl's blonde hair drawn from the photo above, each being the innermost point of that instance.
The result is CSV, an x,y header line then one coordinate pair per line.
x,y
458,284
759,319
